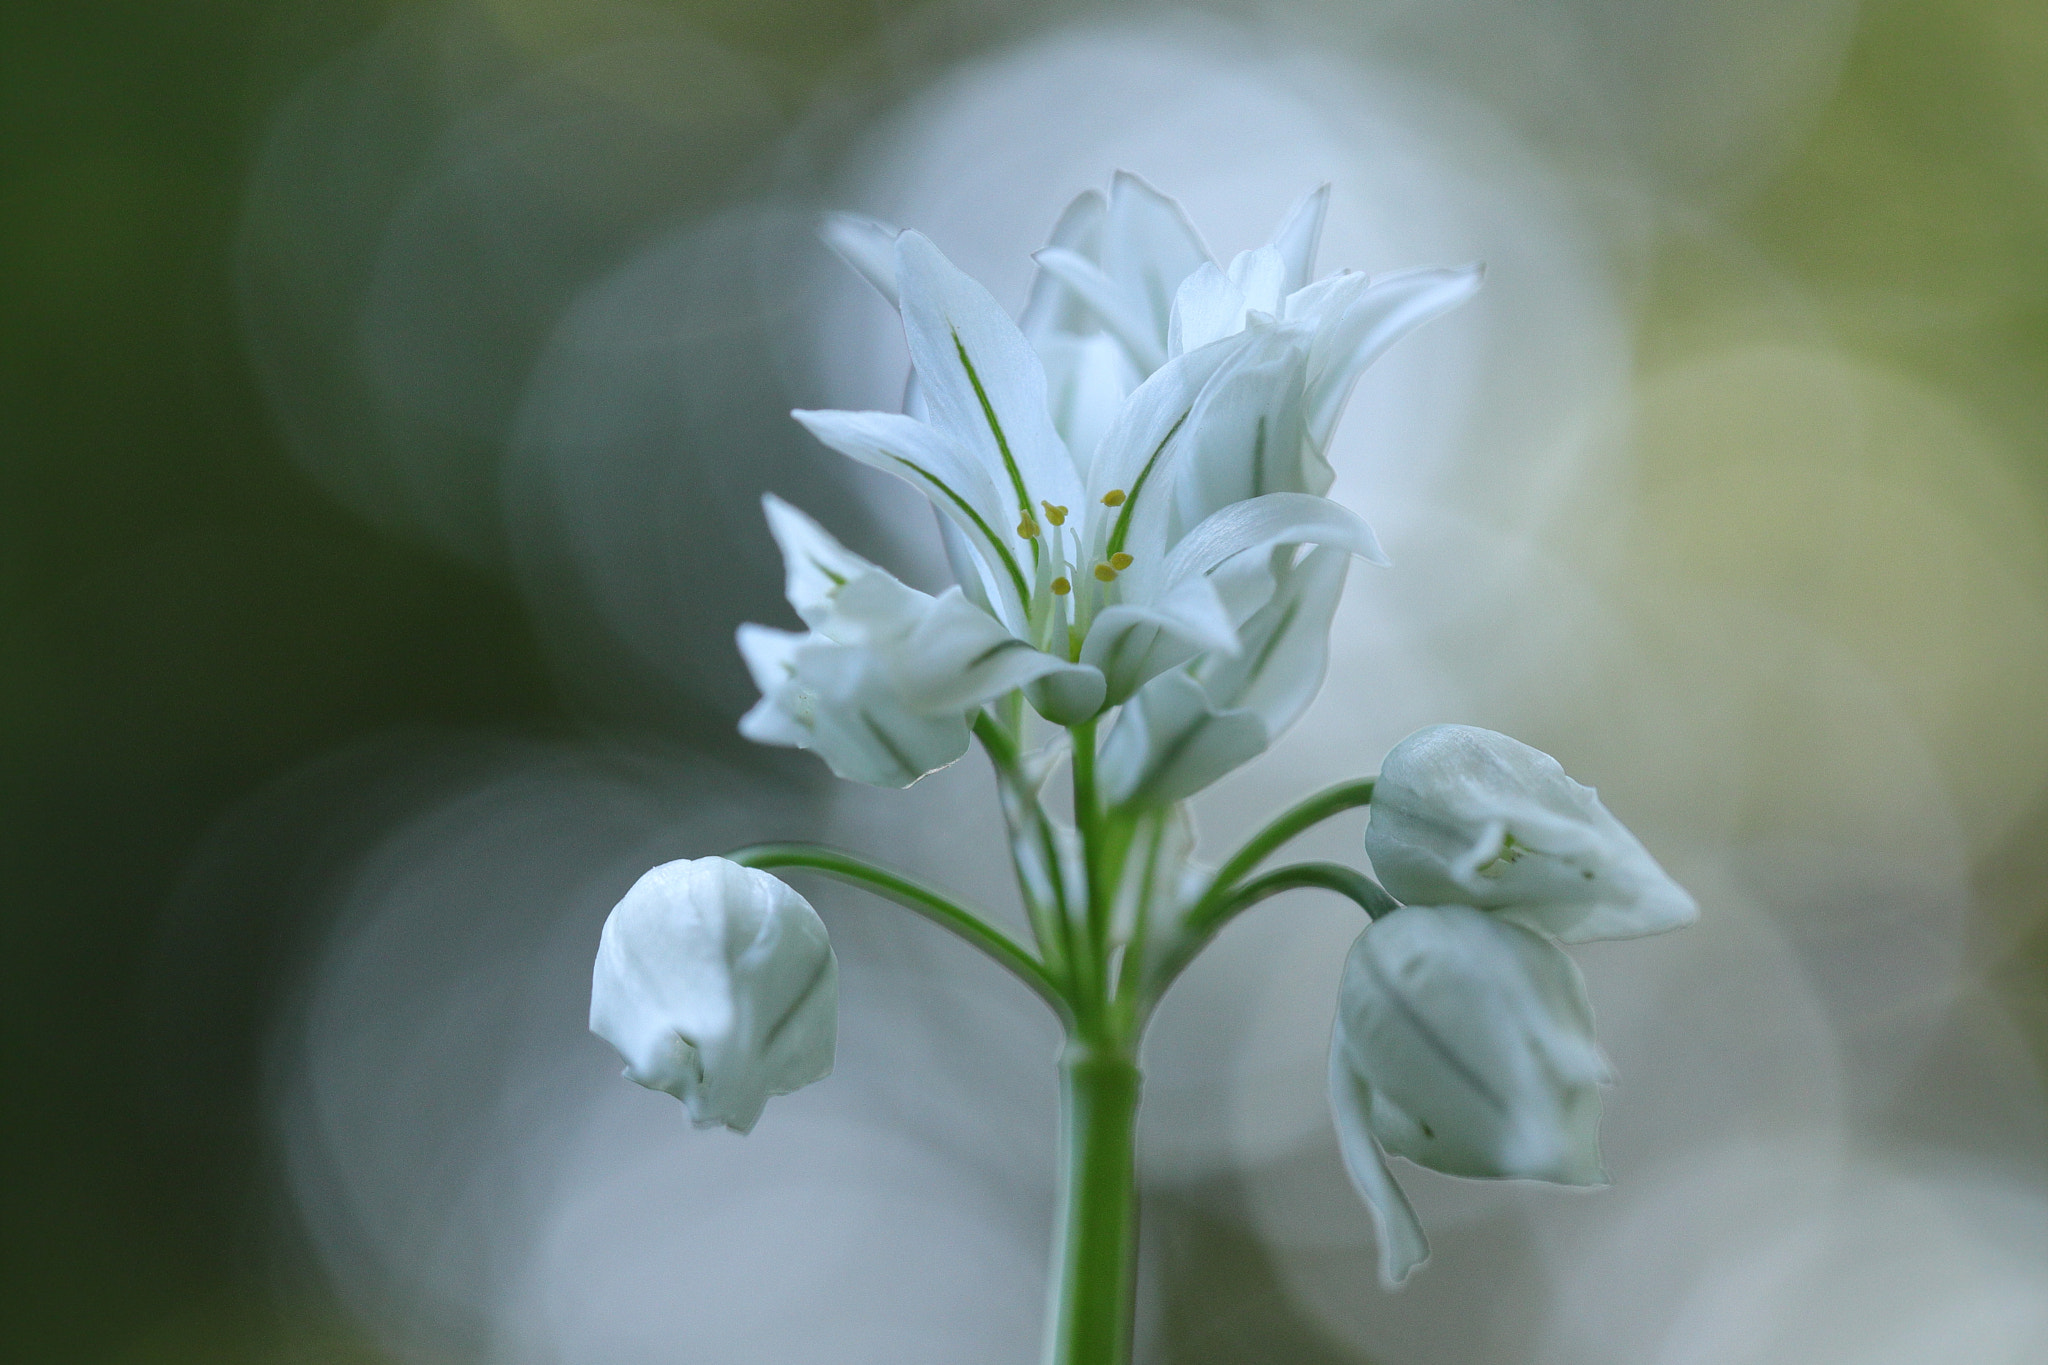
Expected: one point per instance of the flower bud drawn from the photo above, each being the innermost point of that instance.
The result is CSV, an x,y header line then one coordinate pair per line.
x,y
1471,1043
1467,816
716,983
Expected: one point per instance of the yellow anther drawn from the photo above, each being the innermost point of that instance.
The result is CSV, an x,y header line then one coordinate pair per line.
x,y
1054,513
1119,561
1113,498
1104,572
1061,587
1026,527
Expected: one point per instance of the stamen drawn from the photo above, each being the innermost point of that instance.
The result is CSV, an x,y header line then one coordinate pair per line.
x,y
1105,573
1113,498
1061,587
1026,527
1054,513
1119,561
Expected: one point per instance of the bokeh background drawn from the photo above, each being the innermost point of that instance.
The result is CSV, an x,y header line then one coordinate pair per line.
x,y
386,392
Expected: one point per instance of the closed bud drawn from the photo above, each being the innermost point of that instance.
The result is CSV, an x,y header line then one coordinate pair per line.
x,y
716,984
1464,1043
1467,816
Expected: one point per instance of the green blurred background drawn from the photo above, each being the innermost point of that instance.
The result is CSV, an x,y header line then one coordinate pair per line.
x,y
185,616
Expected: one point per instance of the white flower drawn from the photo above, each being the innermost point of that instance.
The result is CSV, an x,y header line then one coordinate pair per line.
x,y
881,685
1464,1043
1465,815
716,983
1111,525
1184,729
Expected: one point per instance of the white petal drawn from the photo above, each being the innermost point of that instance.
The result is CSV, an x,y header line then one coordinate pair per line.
x,y
1207,307
1283,649
1149,246
1052,307
1088,378
1262,274
959,656
770,656
1245,436
866,245
1137,453
1263,522
1402,1245
1380,314
1068,694
1134,642
815,565
1475,1041
1170,741
843,703
956,484
1449,799
1110,306
716,983
981,380
1299,234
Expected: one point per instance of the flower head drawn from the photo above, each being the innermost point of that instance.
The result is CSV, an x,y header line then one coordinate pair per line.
x,y
1122,484
1470,816
1464,1043
716,983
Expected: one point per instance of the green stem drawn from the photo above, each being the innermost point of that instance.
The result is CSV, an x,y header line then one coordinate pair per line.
x,y
1196,933
1284,826
1095,1261
1092,969
913,895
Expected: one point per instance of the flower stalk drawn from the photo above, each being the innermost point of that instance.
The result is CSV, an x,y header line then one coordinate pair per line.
x,y
1095,1242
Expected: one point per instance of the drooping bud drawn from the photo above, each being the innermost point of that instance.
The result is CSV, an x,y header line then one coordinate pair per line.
x,y
1464,1043
716,984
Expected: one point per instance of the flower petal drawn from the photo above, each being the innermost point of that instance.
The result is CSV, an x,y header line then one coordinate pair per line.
x,y
1184,729
1170,741
1149,246
1284,648
815,565
956,484
1111,307
866,245
1364,324
981,380
842,703
1134,642
1053,308
959,656
1262,274
1207,307
1245,435
1298,236
1136,455
717,984
1402,1244
1088,379
1266,521
1068,694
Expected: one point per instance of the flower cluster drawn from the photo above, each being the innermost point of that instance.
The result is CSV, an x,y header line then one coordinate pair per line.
x,y
1123,484
1464,1040
1130,489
